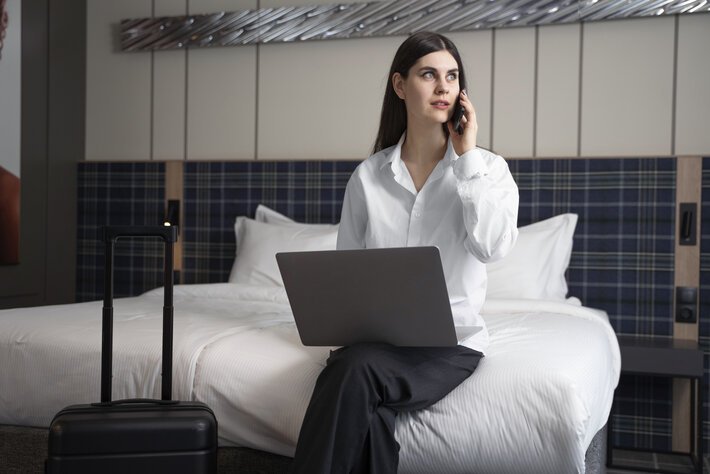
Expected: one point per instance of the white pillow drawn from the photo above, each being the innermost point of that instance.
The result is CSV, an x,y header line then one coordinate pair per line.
x,y
258,243
266,214
535,267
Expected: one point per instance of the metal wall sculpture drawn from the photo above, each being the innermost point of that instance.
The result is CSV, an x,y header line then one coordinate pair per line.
x,y
378,18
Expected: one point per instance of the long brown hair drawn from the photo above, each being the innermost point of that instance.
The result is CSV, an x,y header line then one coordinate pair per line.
x,y
393,119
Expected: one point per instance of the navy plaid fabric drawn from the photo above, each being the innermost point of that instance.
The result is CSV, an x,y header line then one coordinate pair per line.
x,y
643,413
704,297
622,262
119,194
216,193
623,255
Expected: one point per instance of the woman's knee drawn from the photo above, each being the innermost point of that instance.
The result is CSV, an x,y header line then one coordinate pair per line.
x,y
357,360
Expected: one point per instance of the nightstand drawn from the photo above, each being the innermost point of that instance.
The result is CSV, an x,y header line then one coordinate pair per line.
x,y
672,358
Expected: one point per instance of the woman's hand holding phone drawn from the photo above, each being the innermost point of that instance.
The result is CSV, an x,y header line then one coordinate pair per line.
x,y
468,126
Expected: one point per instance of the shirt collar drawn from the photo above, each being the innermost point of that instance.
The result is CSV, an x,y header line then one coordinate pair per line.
x,y
450,156
395,156
399,169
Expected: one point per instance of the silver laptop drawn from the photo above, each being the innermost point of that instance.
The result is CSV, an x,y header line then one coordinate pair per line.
x,y
393,295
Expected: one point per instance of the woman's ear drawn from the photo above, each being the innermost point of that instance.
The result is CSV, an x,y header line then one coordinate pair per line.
x,y
398,85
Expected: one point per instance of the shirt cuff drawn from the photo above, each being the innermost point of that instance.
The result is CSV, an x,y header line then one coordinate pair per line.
x,y
470,165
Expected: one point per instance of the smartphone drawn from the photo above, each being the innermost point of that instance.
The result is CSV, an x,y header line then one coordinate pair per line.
x,y
457,116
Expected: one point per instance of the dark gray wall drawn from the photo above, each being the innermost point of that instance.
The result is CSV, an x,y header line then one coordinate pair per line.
x,y
53,98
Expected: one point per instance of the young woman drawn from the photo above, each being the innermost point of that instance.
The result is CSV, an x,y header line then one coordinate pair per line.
x,y
425,184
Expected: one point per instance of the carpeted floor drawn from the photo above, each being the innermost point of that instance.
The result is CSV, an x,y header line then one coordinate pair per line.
x,y
23,450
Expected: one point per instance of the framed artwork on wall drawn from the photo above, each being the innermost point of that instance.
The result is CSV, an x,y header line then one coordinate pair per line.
x,y
10,93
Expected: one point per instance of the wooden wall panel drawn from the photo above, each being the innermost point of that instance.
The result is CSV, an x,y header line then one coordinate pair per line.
x,y
687,273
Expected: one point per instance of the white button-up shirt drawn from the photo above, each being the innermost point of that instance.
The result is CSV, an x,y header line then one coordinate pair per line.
x,y
468,208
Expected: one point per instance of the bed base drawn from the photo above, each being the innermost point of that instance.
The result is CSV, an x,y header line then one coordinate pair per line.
x,y
24,449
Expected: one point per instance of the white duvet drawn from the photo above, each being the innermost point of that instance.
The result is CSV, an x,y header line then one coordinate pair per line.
x,y
533,404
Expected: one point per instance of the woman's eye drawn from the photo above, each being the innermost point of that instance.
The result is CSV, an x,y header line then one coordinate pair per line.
x,y
451,77
428,75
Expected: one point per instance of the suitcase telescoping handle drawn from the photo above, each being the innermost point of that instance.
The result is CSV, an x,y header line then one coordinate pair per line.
x,y
109,235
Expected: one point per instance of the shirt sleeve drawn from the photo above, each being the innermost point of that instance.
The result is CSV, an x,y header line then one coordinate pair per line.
x,y
353,219
490,204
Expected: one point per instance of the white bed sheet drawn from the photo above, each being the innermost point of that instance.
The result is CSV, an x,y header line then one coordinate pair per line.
x,y
534,403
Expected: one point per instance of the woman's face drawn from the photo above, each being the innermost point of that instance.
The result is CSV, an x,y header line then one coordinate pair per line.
x,y
430,89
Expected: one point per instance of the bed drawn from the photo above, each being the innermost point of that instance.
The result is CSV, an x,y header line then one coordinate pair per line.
x,y
537,403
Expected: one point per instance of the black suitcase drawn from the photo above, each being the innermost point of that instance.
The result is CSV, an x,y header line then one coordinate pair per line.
x,y
135,435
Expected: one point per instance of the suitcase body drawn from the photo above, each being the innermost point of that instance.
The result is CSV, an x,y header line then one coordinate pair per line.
x,y
133,438
136,435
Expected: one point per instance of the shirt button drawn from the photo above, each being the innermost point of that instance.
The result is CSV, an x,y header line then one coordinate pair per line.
x,y
417,214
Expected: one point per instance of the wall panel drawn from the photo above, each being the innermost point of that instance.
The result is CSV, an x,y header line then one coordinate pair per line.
x,y
168,117
221,103
211,6
686,273
627,87
598,89
118,86
476,49
513,92
557,111
298,3
169,90
24,284
692,92
322,100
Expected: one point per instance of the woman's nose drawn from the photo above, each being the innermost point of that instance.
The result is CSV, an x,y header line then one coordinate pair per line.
x,y
441,87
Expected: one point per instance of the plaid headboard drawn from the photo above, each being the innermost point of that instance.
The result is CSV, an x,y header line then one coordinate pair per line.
x,y
622,259
215,193
119,194
704,297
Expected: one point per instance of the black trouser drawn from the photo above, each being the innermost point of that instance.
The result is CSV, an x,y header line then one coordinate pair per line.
x,y
349,423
